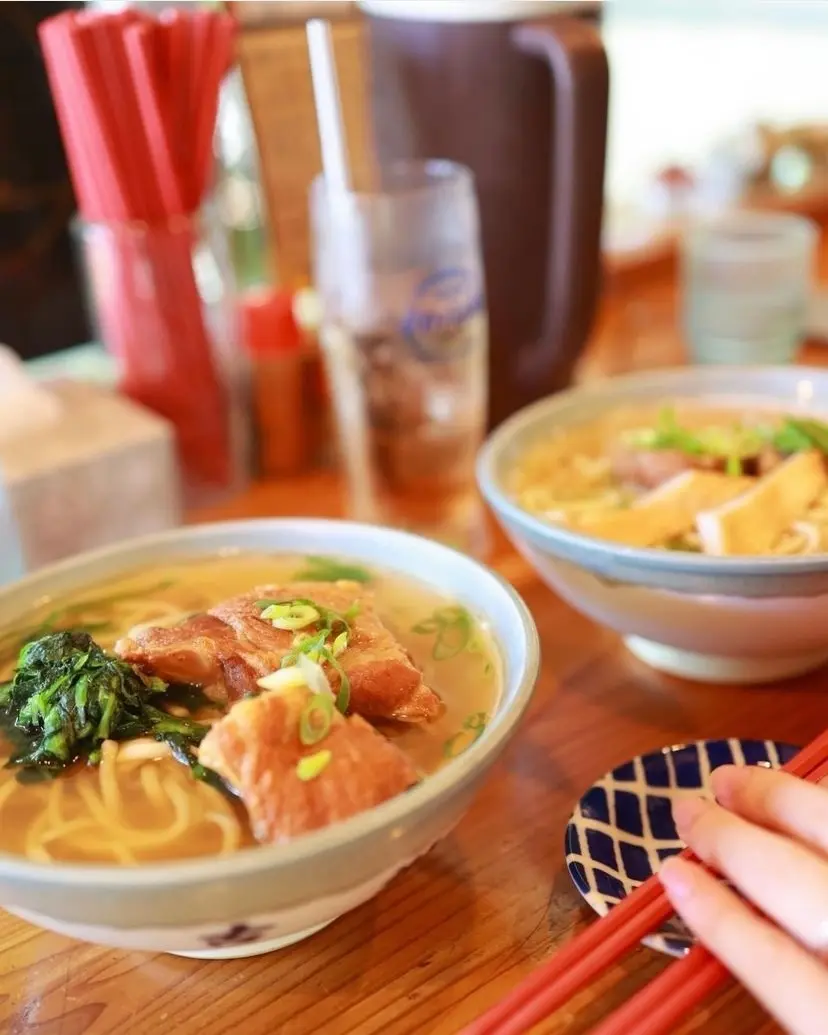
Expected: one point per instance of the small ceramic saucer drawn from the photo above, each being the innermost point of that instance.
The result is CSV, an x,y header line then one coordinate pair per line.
x,y
623,826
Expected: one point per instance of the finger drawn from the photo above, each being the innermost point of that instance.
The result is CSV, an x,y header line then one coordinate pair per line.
x,y
775,800
789,982
785,879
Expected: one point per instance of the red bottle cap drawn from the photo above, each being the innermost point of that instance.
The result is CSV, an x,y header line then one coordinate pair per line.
x,y
268,323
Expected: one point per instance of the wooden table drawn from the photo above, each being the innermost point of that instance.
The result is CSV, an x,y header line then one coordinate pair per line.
x,y
461,927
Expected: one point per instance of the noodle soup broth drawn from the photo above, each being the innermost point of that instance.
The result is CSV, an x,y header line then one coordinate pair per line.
x,y
139,805
720,479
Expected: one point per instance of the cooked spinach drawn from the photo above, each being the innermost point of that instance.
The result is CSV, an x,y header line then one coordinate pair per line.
x,y
68,696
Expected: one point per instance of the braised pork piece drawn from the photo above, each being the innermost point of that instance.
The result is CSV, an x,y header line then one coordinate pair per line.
x,y
240,641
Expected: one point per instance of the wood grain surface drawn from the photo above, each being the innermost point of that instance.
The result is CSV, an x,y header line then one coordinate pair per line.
x,y
457,930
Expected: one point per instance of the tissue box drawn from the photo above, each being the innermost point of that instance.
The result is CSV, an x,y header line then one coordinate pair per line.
x,y
104,471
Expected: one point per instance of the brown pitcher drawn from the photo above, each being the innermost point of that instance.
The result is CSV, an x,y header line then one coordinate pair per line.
x,y
524,105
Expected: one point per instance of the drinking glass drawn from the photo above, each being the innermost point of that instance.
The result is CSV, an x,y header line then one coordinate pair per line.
x,y
404,332
747,284
162,298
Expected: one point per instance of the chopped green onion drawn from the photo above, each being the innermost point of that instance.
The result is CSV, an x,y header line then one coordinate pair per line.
x,y
291,616
803,434
343,697
316,719
315,646
311,766
454,630
288,678
733,467
473,728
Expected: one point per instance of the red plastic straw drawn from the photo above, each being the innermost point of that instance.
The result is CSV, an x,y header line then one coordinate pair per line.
x,y
603,943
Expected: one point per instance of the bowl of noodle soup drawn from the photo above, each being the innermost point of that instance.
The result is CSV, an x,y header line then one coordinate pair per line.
x,y
687,509
126,846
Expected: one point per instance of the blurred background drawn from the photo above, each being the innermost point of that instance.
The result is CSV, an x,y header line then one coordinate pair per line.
x,y
711,103
586,185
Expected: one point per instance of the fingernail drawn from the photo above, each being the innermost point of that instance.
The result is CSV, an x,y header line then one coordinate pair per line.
x,y
723,781
677,877
687,810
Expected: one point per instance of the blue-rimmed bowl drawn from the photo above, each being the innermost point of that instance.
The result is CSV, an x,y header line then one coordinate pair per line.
x,y
264,898
726,619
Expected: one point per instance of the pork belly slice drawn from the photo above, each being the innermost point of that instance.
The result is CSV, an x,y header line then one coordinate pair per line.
x,y
227,650
385,683
202,650
256,749
650,468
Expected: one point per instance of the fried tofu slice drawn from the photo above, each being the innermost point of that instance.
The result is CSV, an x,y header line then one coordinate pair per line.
x,y
753,523
667,511
385,682
229,649
257,749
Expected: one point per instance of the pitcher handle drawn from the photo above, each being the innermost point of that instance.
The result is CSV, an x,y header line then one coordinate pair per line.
x,y
580,72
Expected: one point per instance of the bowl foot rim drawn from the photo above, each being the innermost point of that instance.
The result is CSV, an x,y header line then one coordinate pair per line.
x,y
713,668
240,952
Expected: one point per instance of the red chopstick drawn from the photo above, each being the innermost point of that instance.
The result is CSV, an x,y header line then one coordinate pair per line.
x,y
136,99
588,955
656,1009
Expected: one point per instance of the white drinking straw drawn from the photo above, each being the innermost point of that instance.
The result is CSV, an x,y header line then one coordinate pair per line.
x,y
349,394
328,106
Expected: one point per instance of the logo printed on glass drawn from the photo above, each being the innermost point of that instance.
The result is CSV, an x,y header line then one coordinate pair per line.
x,y
443,305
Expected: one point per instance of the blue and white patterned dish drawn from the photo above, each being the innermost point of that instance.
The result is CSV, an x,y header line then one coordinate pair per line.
x,y
623,826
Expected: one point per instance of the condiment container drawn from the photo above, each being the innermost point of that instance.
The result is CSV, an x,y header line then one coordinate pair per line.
x,y
282,396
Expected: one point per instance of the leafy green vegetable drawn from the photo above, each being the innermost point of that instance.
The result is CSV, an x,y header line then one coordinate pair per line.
x,y
798,434
453,629
68,696
732,444
789,439
326,569
324,645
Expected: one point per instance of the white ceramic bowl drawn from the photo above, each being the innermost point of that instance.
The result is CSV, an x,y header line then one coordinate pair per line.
x,y
264,898
740,620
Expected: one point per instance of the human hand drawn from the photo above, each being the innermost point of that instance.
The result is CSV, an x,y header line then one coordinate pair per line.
x,y
768,835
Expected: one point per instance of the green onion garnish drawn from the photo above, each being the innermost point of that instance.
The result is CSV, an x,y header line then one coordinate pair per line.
x,y
473,728
316,719
311,766
292,616
454,632
323,646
